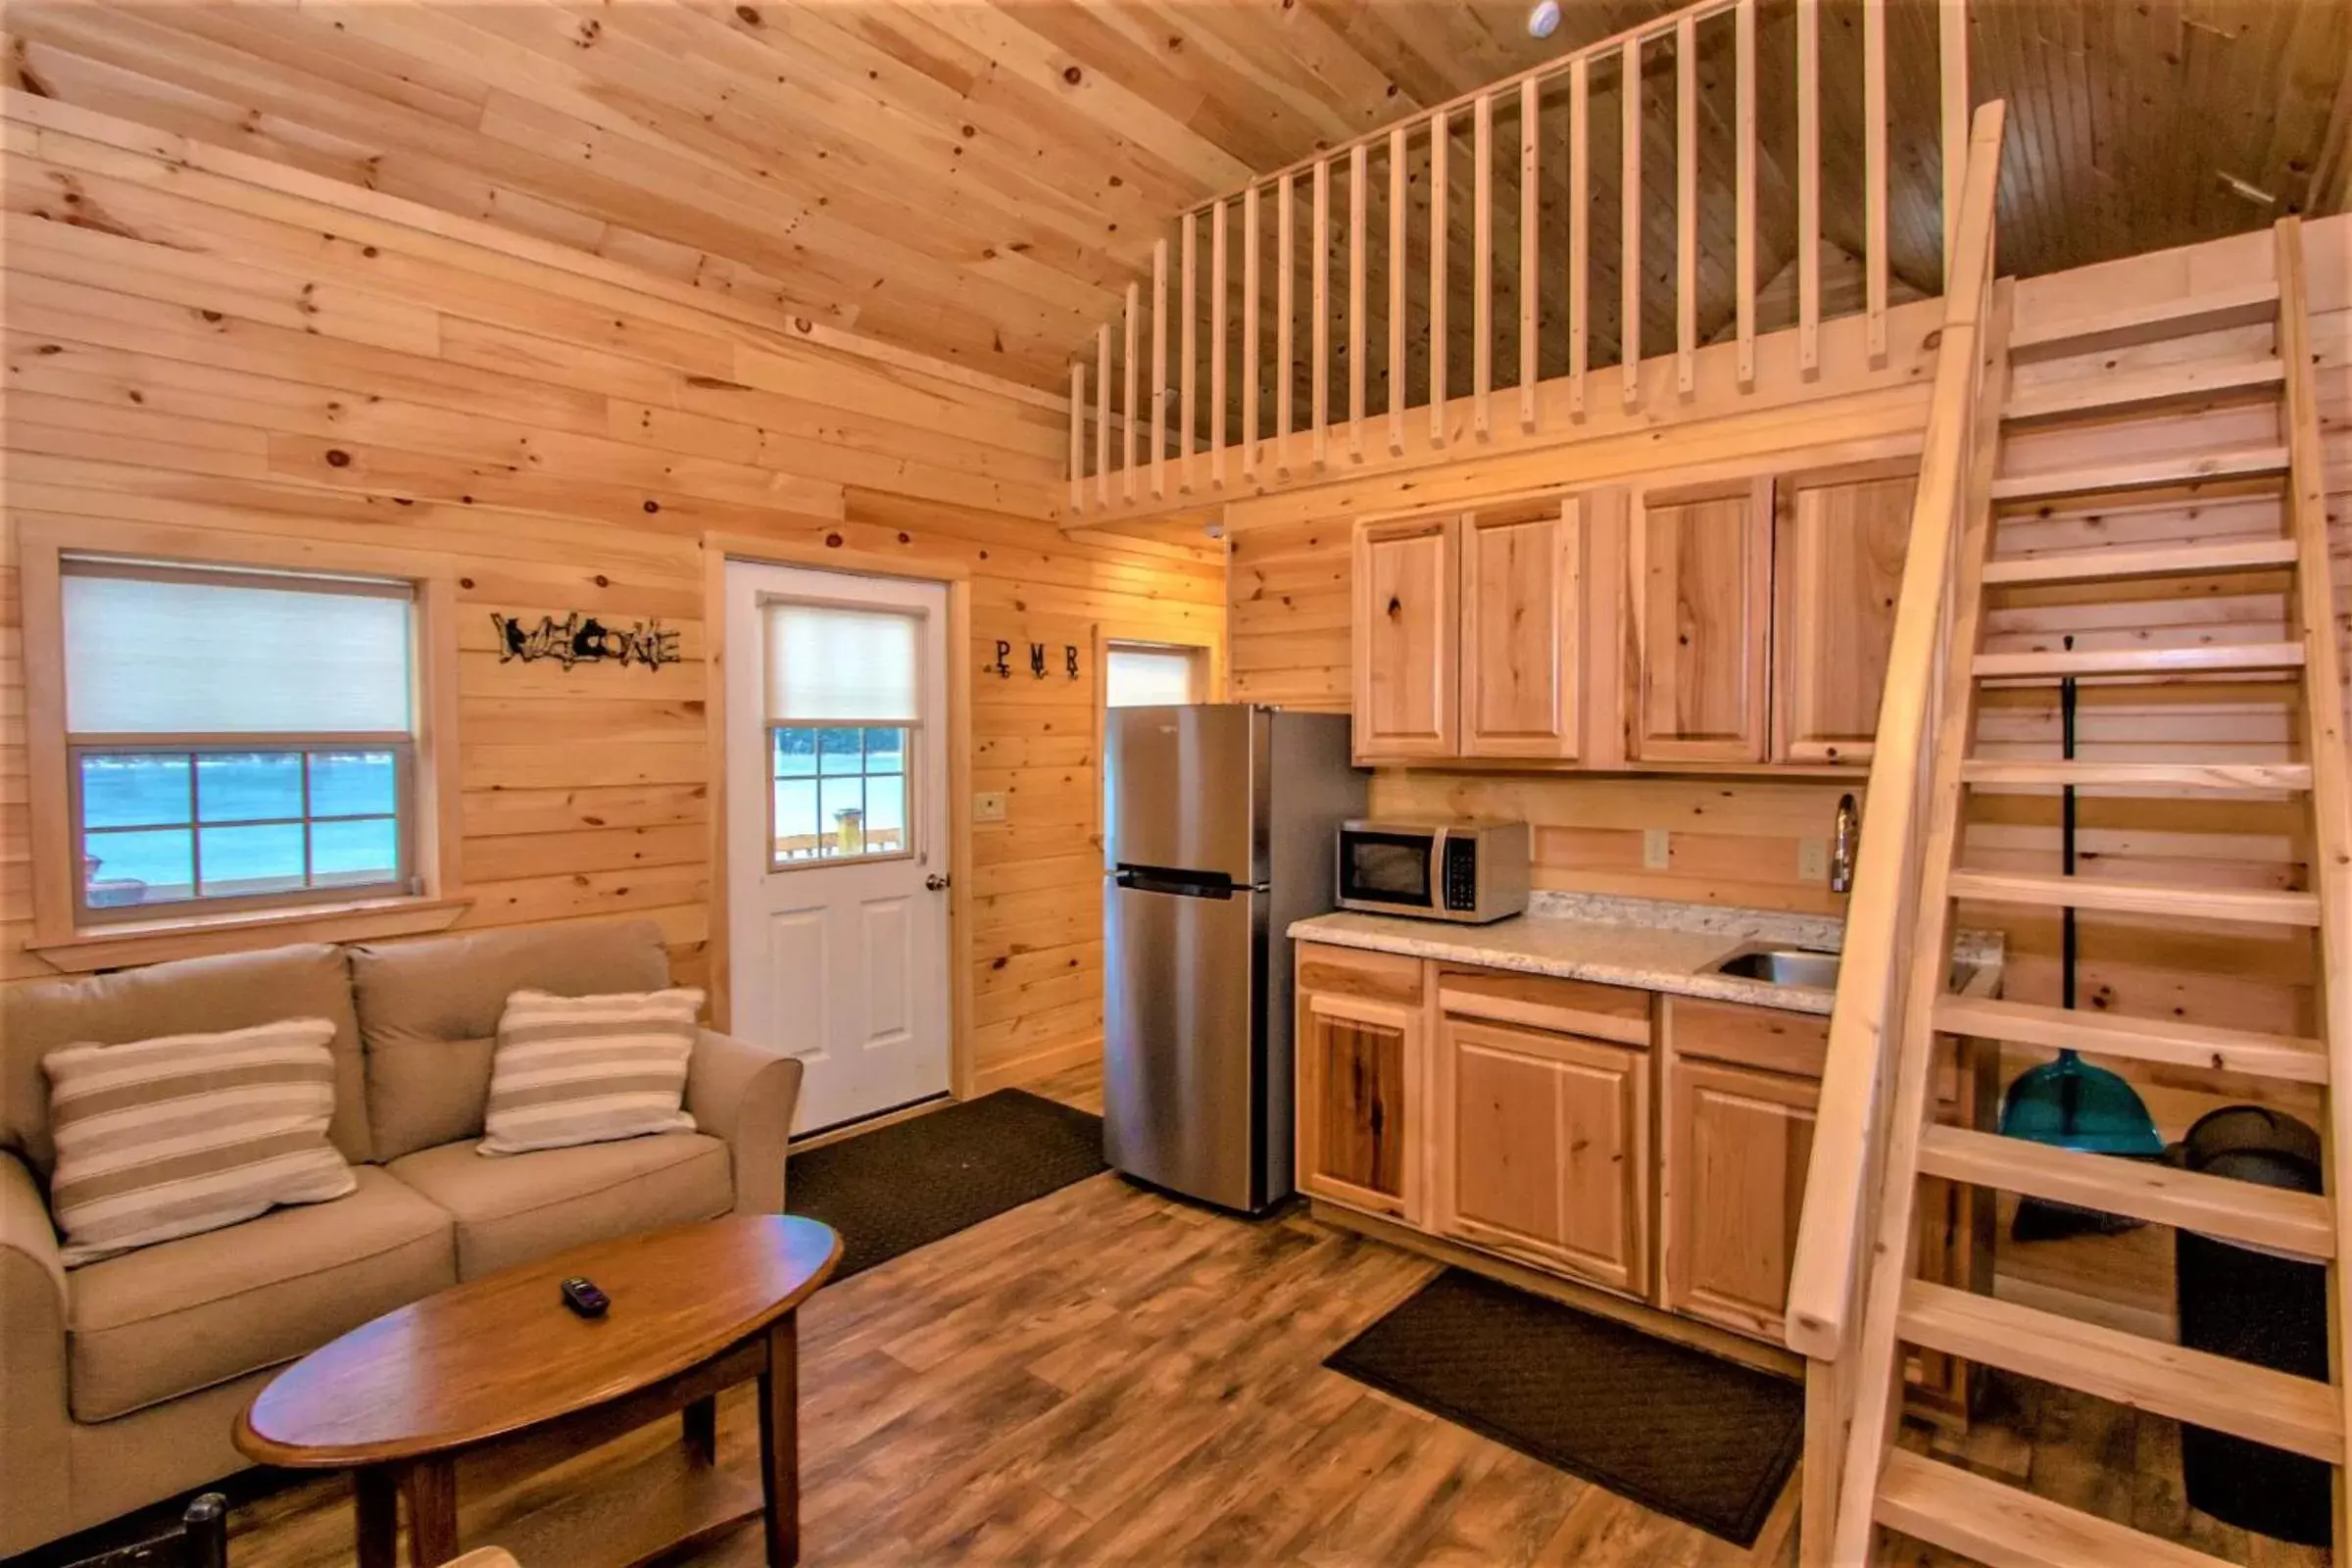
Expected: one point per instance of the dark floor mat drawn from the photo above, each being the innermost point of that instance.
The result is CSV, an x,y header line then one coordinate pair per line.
x,y
910,1183
1689,1435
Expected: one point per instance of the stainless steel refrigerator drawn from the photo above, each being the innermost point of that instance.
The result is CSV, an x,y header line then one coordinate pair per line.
x,y
1220,823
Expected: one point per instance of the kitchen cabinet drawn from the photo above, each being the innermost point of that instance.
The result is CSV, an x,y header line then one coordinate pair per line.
x,y
1701,566
1544,1149
1407,639
1839,540
1523,613
1360,1047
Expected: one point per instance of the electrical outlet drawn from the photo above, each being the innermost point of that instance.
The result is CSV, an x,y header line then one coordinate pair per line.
x,y
1656,849
988,806
1812,859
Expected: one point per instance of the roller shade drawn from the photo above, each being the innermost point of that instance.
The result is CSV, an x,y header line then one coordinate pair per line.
x,y
1149,677
829,664
177,652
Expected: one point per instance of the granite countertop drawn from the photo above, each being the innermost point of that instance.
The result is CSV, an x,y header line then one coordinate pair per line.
x,y
1649,943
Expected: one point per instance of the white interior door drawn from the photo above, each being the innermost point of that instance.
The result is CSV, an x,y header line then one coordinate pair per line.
x,y
837,831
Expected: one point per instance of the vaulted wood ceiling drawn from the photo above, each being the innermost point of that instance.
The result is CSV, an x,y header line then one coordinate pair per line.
x,y
980,180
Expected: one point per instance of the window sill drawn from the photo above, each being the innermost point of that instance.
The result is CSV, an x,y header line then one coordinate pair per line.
x,y
114,947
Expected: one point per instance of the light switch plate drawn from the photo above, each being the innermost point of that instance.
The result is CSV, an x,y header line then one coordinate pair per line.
x,y
1656,849
1813,860
988,806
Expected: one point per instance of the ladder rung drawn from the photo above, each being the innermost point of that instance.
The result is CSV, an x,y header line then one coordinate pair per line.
x,y
2211,658
2261,906
2008,1527
2286,1411
2168,1041
2140,389
2219,777
2217,1205
2119,566
2144,473
2249,306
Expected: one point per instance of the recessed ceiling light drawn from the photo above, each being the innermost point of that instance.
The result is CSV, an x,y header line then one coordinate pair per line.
x,y
1544,19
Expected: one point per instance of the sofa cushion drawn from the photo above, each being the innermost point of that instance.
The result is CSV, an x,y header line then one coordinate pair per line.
x,y
590,1069
517,1208
429,1013
182,1315
191,996
189,1132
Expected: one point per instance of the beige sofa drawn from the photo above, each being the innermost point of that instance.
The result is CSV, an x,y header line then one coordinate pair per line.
x,y
119,1380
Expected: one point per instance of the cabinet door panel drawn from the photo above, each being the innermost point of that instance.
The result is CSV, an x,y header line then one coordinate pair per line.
x,y
1523,631
1702,576
1407,640
1546,1150
1360,1066
1839,544
1738,1142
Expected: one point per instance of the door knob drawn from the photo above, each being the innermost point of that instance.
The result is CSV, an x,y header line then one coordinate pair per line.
x,y
935,882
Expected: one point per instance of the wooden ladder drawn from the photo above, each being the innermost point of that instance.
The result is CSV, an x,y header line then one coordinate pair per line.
x,y
1881,1484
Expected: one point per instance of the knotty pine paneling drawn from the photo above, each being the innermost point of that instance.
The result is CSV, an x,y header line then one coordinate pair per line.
x,y
229,347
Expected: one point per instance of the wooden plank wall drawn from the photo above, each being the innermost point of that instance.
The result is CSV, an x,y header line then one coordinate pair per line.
x,y
1735,840
209,341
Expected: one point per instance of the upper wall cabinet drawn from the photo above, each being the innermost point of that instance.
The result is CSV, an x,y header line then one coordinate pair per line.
x,y
1701,566
1840,538
1407,636
1473,633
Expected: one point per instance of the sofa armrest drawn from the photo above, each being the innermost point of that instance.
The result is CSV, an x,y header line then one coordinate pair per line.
x,y
746,1094
36,1490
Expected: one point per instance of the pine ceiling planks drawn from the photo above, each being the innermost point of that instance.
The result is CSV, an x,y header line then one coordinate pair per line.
x,y
981,181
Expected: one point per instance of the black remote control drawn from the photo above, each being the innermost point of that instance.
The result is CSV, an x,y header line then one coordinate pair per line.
x,y
583,1297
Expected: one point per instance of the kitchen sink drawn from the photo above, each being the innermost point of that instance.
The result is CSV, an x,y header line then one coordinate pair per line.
x,y
1784,966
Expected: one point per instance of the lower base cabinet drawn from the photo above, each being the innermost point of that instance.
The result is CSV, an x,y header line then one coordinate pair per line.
x,y
1738,1143
1360,1075
1544,1150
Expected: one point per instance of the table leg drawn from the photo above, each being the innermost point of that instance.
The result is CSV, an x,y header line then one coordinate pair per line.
x,y
702,1430
780,1442
431,1486
377,1492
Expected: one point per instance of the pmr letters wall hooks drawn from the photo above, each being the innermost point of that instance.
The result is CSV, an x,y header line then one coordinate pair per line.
x,y
1001,665
579,639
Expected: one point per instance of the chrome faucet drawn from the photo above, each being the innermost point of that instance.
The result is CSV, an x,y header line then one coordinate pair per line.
x,y
1843,844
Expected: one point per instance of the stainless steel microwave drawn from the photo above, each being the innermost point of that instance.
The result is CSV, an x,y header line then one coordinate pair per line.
x,y
1436,870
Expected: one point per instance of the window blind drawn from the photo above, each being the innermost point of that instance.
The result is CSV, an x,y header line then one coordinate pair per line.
x,y
1149,677
829,664
177,652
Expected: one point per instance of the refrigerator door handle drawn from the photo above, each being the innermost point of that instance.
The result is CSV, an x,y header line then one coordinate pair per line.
x,y
1179,884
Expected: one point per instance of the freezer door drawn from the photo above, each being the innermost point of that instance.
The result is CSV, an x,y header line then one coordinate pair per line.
x,y
1185,788
1183,1061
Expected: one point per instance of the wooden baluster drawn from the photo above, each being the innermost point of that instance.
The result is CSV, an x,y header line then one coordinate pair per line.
x,y
1482,268
1077,435
1685,205
1358,182
1159,369
1321,294
1250,289
1103,413
1285,224
1134,299
1874,173
1437,278
1629,324
1530,249
1186,412
1809,186
1745,131
1580,229
1217,427
1396,259
1951,17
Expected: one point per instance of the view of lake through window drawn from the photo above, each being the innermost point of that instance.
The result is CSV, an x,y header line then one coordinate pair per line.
x,y
840,791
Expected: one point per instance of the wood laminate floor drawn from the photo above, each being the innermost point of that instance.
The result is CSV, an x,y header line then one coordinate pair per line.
x,y
1108,1376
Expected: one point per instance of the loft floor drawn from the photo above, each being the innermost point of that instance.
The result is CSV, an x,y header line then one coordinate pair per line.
x,y
1109,1376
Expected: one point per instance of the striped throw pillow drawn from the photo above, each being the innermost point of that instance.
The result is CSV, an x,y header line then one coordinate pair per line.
x,y
189,1133
589,1069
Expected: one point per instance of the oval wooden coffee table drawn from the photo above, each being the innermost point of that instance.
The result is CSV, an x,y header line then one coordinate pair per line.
x,y
501,1361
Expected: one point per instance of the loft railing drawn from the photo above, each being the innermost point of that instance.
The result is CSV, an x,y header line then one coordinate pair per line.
x,y
1412,212
1897,929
